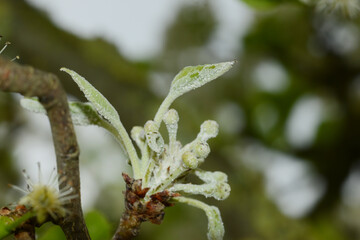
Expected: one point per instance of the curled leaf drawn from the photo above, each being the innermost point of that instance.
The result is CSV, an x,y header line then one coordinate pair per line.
x,y
215,185
216,229
155,141
153,137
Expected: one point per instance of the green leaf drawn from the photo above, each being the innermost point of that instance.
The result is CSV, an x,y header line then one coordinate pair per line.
x,y
33,105
98,226
4,229
105,109
188,79
216,229
101,104
82,114
193,77
54,233
9,223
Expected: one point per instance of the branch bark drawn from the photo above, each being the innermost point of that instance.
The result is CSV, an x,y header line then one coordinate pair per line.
x,y
137,210
35,83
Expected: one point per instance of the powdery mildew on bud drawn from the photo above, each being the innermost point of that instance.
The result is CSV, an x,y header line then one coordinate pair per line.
x,y
162,166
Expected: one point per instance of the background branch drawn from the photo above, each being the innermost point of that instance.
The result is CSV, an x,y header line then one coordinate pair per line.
x,y
34,83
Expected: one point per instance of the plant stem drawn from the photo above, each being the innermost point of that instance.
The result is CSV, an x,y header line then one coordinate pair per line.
x,y
35,83
129,226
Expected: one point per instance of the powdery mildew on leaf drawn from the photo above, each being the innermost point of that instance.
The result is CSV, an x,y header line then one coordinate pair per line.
x,y
101,104
216,228
193,77
82,114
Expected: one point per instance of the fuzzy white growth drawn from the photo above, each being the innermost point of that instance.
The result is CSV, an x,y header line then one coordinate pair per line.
x,y
190,161
215,185
45,198
209,129
348,8
171,119
216,229
138,135
153,137
162,165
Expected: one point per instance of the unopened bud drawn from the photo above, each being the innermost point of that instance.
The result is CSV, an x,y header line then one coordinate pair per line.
x,y
137,133
190,160
201,150
151,126
209,129
171,117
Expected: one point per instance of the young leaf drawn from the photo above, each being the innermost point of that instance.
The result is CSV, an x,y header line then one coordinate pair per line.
x,y
193,77
33,105
216,229
101,104
98,225
105,109
82,114
188,79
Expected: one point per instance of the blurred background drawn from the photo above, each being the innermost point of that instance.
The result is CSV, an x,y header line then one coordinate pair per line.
x,y
289,111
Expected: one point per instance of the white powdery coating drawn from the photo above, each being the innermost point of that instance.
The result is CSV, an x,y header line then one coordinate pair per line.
x,y
216,228
101,104
193,77
215,185
212,176
32,105
208,129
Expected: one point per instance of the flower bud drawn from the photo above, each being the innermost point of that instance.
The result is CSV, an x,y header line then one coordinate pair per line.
x,y
171,117
190,161
201,150
151,126
209,129
137,133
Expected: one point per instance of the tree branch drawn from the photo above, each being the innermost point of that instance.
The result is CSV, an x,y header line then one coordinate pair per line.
x,y
35,83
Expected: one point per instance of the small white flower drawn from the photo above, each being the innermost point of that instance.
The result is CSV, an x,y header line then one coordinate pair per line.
x,y
45,198
348,8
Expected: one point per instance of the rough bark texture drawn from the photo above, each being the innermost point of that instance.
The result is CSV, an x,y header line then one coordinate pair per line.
x,y
137,210
34,83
